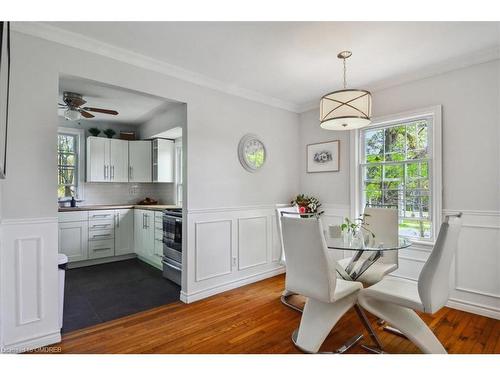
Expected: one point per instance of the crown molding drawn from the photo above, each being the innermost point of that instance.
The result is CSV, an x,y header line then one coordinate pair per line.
x,y
79,41
461,62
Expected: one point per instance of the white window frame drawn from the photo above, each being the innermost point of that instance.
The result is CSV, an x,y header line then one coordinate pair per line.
x,y
80,149
435,163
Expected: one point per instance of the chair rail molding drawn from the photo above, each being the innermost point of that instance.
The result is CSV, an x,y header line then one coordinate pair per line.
x,y
29,286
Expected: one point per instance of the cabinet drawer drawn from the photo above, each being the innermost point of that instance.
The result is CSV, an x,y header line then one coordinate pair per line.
x,y
102,215
103,234
65,217
101,249
101,224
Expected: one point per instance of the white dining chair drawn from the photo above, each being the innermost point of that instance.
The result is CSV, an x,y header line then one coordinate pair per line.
x,y
311,272
394,300
383,222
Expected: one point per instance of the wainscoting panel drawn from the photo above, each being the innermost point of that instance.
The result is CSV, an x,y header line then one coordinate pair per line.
x,y
252,242
213,249
228,248
29,290
29,281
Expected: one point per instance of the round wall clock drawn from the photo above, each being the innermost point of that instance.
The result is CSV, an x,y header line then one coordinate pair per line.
x,y
252,152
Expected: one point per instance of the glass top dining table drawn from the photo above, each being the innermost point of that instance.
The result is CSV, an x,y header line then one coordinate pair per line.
x,y
365,254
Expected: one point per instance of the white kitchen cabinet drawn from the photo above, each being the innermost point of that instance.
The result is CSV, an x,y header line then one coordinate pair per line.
x,y
118,160
144,240
163,160
124,231
97,159
107,160
140,161
73,240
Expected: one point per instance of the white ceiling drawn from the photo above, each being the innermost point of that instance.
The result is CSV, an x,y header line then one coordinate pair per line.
x,y
133,108
296,62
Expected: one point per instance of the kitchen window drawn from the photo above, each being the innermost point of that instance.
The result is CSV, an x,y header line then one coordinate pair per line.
x,y
69,162
399,161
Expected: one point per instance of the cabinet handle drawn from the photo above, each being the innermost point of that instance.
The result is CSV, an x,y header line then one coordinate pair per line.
x,y
100,225
118,220
112,173
143,221
102,249
105,168
101,235
130,174
100,215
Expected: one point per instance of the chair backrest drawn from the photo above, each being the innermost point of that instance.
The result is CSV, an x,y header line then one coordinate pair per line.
x,y
281,212
310,268
383,222
434,280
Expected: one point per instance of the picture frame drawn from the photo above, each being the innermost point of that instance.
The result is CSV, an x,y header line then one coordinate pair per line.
x,y
323,157
4,93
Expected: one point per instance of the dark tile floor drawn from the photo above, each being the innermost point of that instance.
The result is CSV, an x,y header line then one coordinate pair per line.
x,y
109,291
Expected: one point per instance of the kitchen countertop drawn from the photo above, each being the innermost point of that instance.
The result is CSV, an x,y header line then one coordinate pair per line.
x,y
156,207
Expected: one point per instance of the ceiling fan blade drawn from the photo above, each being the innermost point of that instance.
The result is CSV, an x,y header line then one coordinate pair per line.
x,y
61,105
86,114
100,110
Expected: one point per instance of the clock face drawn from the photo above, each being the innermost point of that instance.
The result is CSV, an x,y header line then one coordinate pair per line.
x,y
252,153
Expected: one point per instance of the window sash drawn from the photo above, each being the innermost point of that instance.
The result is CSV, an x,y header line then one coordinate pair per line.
x,y
75,151
427,216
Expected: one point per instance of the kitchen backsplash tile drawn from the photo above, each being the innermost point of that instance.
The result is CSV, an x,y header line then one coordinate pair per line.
x,y
109,193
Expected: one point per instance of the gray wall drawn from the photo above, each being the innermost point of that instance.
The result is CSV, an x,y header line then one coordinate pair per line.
x,y
471,124
216,122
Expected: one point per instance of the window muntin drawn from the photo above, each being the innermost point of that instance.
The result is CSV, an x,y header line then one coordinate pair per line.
x,y
67,165
396,172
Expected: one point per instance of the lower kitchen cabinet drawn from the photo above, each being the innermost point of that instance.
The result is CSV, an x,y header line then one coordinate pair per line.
x,y
87,235
144,237
73,240
124,231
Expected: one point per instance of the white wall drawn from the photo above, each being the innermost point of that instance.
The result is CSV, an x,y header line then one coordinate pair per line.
x,y
214,178
470,102
175,115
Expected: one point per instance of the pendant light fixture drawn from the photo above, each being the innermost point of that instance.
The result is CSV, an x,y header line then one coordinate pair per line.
x,y
345,109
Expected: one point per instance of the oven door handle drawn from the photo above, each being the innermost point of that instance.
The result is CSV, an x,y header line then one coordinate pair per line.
x,y
171,266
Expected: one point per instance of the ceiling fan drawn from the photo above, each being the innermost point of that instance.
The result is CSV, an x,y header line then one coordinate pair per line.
x,y
74,110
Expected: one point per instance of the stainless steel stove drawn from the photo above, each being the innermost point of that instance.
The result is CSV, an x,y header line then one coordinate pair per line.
x,y
172,245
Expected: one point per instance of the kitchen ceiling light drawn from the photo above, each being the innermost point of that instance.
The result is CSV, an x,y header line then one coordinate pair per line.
x,y
345,109
72,114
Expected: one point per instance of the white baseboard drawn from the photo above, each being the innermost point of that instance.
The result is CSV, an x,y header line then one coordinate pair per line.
x,y
32,344
201,294
474,308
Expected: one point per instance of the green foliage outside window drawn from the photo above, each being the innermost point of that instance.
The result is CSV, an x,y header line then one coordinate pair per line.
x,y
395,173
67,165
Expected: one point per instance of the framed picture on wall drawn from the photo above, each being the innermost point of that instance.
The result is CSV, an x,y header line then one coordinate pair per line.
x,y
4,92
323,157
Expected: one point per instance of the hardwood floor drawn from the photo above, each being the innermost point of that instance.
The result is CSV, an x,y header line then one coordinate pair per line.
x,y
251,319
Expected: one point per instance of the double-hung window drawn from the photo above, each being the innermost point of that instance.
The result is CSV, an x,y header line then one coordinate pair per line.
x,y
69,162
399,167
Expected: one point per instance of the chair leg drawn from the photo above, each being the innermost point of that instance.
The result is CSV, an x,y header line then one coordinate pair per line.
x,y
407,321
317,321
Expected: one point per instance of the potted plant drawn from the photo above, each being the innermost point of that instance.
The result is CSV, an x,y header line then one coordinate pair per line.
x,y
355,229
307,204
94,132
109,133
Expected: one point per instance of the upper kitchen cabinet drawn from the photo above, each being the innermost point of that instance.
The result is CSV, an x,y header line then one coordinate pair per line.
x,y
107,160
140,160
163,160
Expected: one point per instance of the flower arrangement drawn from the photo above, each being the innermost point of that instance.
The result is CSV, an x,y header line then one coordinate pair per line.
x,y
307,204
